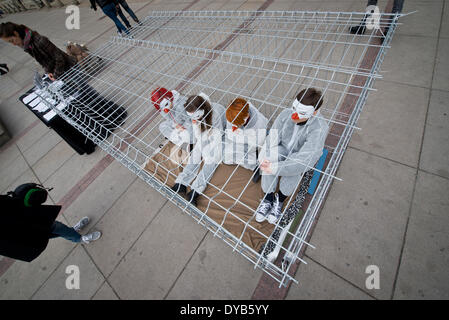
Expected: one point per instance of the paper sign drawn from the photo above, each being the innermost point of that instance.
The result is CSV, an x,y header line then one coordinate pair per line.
x,y
49,115
29,98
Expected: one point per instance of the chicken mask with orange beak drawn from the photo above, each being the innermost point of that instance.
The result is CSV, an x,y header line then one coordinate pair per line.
x,y
234,127
196,116
301,111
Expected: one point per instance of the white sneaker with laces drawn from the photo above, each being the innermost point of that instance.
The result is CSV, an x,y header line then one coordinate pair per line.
x,y
263,210
276,210
91,237
81,224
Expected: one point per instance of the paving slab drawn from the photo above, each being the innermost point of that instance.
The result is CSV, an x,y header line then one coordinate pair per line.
x,y
12,172
392,122
435,150
8,155
21,75
410,60
105,293
90,279
423,273
363,220
27,176
8,85
123,224
216,272
64,178
15,116
21,123
41,147
53,160
445,23
100,195
231,5
159,256
441,76
318,283
32,136
425,22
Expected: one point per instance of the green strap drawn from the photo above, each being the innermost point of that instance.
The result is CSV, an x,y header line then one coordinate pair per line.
x,y
27,197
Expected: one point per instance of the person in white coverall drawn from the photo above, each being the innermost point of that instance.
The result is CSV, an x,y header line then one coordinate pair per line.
x,y
208,121
294,145
246,130
177,126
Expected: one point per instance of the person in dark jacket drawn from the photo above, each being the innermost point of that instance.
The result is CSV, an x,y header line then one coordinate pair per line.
x,y
54,61
109,8
27,230
129,10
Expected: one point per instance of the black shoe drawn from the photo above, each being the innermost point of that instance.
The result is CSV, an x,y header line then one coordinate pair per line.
x,y
179,188
382,39
3,65
257,175
192,196
360,29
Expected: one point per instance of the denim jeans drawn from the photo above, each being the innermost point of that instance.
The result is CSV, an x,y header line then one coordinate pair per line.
x,y
128,9
111,12
397,5
59,229
122,16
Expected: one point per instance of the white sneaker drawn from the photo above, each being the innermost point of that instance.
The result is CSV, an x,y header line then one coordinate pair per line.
x,y
81,224
263,210
91,237
276,210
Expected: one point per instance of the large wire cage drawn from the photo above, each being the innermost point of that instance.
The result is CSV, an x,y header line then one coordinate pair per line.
x,y
265,57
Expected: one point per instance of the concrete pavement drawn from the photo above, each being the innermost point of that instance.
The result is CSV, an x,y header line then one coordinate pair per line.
x,y
390,210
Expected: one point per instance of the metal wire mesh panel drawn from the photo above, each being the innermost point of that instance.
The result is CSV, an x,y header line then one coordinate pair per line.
x,y
263,57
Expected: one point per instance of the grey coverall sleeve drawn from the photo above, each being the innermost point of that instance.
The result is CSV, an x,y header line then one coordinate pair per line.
x,y
272,141
307,156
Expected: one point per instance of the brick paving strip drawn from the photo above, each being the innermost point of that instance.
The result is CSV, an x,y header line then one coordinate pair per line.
x,y
268,288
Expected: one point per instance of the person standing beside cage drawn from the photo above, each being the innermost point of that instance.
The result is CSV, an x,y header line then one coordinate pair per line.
x,y
56,62
109,8
129,10
361,28
28,224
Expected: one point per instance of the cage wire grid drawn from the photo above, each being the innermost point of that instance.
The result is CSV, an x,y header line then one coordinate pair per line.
x,y
264,57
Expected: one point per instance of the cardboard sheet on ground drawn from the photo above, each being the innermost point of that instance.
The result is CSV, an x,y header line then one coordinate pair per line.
x,y
166,171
